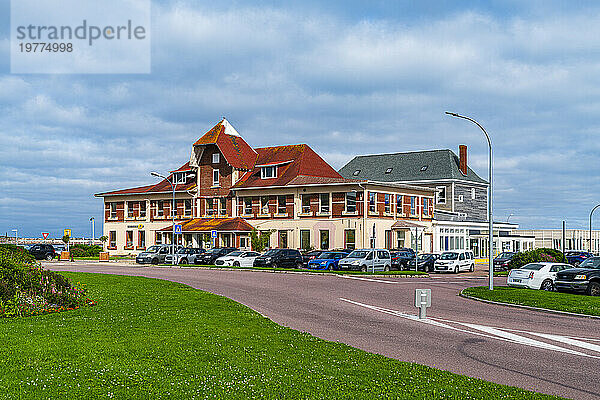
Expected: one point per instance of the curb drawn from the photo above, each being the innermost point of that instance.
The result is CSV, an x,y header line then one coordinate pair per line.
x,y
546,310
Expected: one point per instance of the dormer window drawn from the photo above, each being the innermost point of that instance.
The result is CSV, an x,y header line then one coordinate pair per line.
x,y
268,172
424,168
216,158
179,177
355,173
389,170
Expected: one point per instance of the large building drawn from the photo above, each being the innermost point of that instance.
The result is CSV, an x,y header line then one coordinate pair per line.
x,y
575,239
461,197
229,188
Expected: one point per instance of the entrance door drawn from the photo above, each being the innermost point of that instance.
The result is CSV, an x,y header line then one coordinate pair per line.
x,y
226,240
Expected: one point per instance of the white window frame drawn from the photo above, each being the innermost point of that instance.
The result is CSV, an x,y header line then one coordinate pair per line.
x,y
437,194
113,210
216,158
142,209
302,206
279,205
387,208
347,203
413,199
187,211
264,175
461,198
222,206
374,194
400,209
217,174
209,210
264,208
321,197
179,178
247,211
160,211
473,194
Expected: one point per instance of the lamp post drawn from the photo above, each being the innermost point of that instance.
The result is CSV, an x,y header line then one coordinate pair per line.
x,y
490,196
16,236
592,212
508,219
93,222
173,208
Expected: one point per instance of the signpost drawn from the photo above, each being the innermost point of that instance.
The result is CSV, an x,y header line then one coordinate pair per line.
x,y
178,229
422,301
213,235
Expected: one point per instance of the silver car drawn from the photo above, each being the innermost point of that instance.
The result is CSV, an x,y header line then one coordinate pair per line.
x,y
185,255
154,254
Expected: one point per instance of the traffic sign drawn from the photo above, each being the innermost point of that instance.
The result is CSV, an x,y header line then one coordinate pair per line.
x,y
141,226
45,235
67,232
213,234
178,229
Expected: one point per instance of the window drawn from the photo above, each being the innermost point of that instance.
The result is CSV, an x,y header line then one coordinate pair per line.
x,y
282,206
247,205
161,208
426,207
283,239
350,239
388,207
324,200
215,177
187,207
472,193
130,209
157,238
355,173
216,158
142,239
113,210
324,235
210,207
305,239
305,204
372,202
222,206
413,205
351,202
399,209
264,205
245,243
112,239
173,208
440,195
424,168
461,198
178,177
268,172
389,170
143,209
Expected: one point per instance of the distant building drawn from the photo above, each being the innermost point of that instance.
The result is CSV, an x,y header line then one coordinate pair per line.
x,y
575,239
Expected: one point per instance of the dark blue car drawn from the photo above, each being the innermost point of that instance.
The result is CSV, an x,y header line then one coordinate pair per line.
x,y
577,257
327,260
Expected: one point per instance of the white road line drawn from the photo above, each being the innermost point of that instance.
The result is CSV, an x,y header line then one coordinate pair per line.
x,y
488,332
367,279
569,341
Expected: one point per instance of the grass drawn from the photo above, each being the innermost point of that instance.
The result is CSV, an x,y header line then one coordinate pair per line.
x,y
575,303
152,339
322,271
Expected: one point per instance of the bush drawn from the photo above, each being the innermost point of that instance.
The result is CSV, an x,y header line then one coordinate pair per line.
x,y
537,255
84,250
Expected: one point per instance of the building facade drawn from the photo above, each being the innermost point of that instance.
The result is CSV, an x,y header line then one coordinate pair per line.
x,y
575,239
228,188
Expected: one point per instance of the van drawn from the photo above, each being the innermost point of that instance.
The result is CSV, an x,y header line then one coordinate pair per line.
x,y
367,260
455,261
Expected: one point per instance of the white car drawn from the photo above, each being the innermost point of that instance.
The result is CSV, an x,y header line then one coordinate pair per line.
x,y
536,275
238,258
455,261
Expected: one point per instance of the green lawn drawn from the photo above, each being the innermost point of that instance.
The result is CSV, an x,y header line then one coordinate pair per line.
x,y
321,271
152,339
575,303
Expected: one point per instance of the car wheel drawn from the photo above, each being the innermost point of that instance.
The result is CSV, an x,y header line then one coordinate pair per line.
x,y
155,261
386,268
593,289
456,270
49,257
236,263
183,261
472,268
547,285
299,265
274,265
363,268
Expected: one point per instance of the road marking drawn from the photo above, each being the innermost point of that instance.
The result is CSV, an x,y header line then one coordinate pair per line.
x,y
492,332
366,279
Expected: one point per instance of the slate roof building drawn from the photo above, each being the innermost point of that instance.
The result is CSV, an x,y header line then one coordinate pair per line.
x,y
461,196
230,188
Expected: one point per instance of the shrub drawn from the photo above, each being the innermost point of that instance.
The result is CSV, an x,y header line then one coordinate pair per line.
x,y
537,255
85,250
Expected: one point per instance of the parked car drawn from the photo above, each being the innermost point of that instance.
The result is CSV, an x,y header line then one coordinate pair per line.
x,y
238,258
367,260
501,261
577,257
455,261
536,275
310,255
43,252
585,278
280,258
327,260
154,254
211,255
185,255
426,262
401,258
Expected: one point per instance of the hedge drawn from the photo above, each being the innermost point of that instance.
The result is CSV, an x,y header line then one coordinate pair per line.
x,y
537,255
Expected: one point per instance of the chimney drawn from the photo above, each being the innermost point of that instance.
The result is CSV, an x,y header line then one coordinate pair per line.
x,y
463,159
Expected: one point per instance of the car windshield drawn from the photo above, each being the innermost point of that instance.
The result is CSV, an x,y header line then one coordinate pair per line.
x,y
449,256
571,253
504,255
424,256
534,267
358,254
327,255
213,251
592,262
271,252
153,249
183,250
234,253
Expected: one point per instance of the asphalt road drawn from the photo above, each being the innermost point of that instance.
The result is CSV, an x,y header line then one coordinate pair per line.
x,y
549,353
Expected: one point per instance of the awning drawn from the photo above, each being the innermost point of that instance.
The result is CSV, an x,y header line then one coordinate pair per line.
x,y
401,224
213,224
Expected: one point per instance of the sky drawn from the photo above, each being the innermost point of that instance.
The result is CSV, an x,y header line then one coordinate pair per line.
x,y
346,77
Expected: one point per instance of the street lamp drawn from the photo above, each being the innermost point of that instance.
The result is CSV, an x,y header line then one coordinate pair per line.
x,y
508,219
173,208
16,236
93,222
490,195
592,212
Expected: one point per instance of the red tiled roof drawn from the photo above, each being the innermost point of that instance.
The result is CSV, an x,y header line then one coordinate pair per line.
x,y
236,151
405,224
184,167
304,162
217,224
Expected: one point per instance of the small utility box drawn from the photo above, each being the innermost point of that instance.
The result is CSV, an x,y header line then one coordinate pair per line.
x,y
422,301
65,256
104,256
